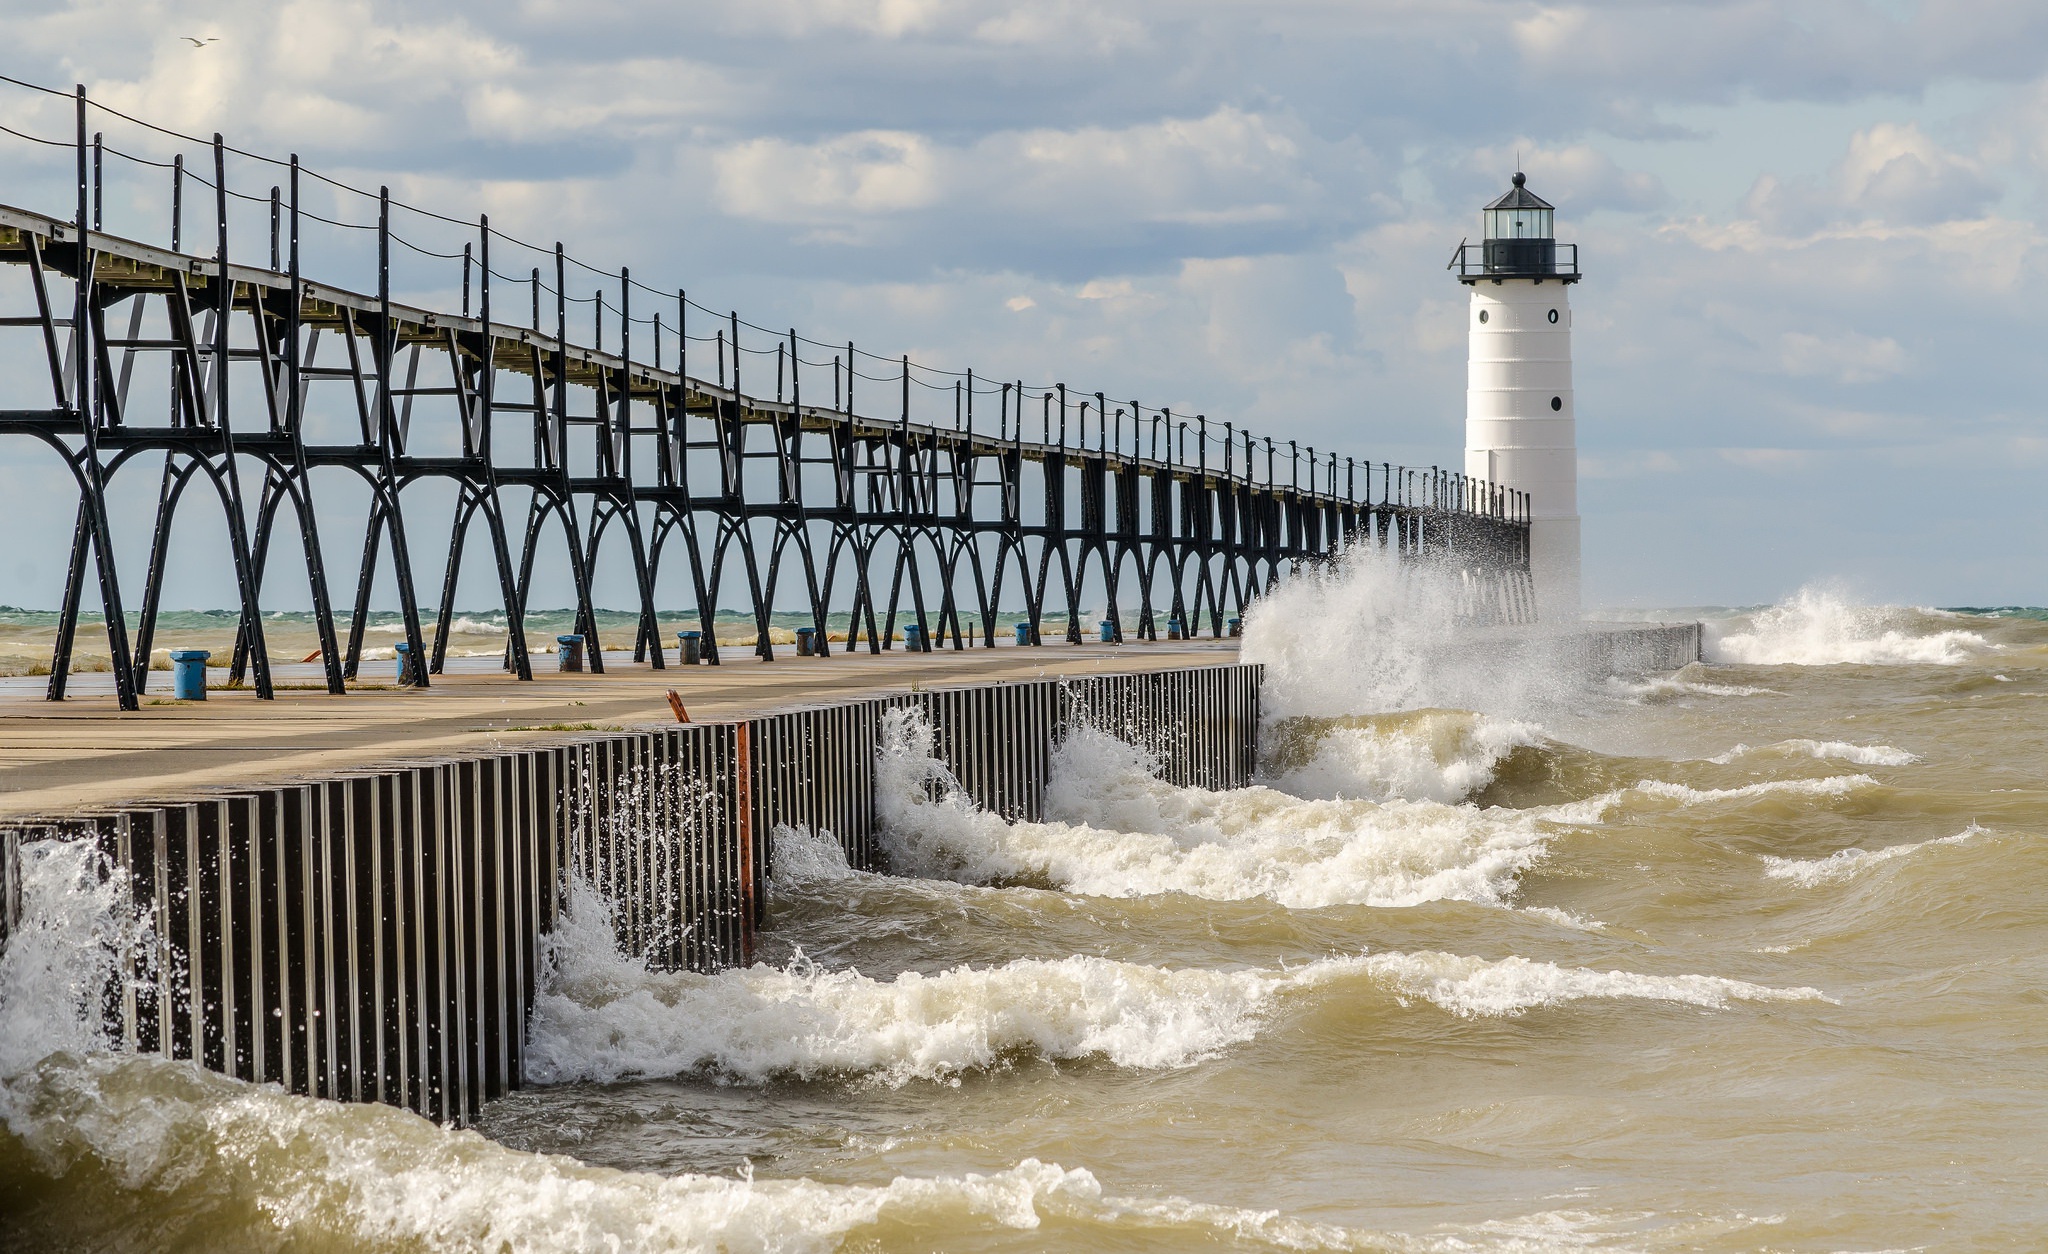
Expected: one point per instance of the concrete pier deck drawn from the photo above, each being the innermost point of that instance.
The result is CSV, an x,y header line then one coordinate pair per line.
x,y
83,752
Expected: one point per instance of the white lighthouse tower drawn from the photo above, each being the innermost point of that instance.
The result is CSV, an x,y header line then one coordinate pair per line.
x,y
1519,426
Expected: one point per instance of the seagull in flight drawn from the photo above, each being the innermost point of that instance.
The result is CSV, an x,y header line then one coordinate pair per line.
x,y
197,42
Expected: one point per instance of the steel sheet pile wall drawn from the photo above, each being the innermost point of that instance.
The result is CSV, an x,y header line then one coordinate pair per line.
x,y
378,937
815,768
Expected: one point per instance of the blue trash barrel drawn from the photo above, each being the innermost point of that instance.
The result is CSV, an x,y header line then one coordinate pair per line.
x,y
1236,627
913,637
188,674
568,653
1107,630
691,645
806,641
404,662
1023,633
1174,630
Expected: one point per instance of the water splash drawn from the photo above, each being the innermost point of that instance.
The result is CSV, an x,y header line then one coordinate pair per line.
x,y
76,938
601,1016
1821,626
1115,830
1371,633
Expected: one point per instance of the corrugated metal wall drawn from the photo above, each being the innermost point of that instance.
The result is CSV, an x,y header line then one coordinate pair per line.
x,y
377,937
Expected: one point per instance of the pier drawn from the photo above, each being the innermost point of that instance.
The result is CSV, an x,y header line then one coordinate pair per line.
x,y
346,883
722,462
373,934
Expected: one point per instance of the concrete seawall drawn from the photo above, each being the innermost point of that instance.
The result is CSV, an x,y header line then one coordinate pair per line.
x,y
375,936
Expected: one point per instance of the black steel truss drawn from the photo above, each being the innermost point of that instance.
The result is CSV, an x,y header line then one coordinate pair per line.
x,y
888,518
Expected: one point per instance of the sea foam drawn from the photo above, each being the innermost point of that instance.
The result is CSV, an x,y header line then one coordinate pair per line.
x,y
154,1152
604,1017
1847,863
1823,750
1819,627
1471,987
1115,830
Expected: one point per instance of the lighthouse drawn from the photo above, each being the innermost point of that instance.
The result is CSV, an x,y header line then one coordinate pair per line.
x,y
1519,422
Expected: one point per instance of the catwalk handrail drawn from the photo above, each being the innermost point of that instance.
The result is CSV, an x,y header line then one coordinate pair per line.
x,y
1434,488
888,496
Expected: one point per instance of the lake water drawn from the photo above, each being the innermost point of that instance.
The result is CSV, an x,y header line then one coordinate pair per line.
x,y
1753,956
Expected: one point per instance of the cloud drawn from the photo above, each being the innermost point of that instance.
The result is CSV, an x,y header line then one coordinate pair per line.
x,y
1239,210
1581,178
838,181
1845,357
1892,174
1208,184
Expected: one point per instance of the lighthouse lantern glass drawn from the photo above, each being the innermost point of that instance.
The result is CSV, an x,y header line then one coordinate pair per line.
x,y
1519,223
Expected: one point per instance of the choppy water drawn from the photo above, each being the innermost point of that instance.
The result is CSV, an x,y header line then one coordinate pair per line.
x,y
1749,957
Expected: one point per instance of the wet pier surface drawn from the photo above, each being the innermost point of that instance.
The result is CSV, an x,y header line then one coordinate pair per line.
x,y
85,752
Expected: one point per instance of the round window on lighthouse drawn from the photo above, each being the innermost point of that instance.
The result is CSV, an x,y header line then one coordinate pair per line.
x,y
1556,403
1482,315
1553,315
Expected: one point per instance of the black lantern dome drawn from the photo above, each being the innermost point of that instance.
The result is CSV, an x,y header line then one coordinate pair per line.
x,y
1520,241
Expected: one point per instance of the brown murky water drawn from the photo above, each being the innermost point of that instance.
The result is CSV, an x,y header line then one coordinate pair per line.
x,y
1751,957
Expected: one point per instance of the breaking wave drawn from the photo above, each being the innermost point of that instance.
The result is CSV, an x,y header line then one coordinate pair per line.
x,y
1818,627
604,1017
1848,863
170,1154
1115,830
1471,987
1823,750
144,1152
1831,786
1685,683
1420,755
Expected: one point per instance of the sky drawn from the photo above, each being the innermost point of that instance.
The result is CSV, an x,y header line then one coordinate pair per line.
x,y
1807,345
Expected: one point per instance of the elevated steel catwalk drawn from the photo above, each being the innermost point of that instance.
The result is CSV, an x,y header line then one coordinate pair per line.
x,y
271,377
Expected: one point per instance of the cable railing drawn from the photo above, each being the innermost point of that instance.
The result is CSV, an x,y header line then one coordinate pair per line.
x,y
440,266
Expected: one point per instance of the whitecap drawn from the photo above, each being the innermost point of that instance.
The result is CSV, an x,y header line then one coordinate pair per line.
x,y
603,1017
1473,987
1825,750
1819,627
1671,686
1831,786
1425,755
1115,830
1846,863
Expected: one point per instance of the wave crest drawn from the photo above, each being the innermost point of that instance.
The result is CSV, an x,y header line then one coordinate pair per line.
x,y
1116,831
1473,987
1848,863
1820,627
604,1017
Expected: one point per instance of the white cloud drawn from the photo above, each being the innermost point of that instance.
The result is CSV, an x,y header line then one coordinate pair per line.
x,y
1891,174
1845,357
1580,177
848,176
1241,210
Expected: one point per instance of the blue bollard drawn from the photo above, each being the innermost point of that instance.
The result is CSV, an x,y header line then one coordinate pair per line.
x,y
1174,629
188,674
913,637
568,653
806,642
404,652
690,644
1107,630
1023,633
